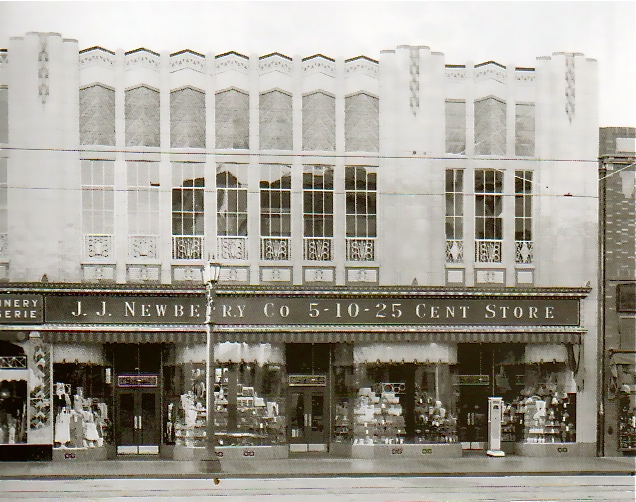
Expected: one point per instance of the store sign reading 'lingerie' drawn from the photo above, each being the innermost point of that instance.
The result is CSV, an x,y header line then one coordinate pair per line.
x,y
266,310
21,309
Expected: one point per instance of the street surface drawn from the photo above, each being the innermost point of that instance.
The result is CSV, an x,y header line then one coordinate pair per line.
x,y
362,489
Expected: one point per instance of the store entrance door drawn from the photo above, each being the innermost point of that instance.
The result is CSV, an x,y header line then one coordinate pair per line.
x,y
307,412
138,427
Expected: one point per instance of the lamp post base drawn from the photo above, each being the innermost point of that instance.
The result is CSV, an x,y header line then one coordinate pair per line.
x,y
211,465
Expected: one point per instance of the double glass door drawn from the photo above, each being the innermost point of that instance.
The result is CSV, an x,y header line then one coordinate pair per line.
x,y
138,426
308,419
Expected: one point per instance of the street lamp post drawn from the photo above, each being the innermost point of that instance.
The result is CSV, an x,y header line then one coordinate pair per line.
x,y
210,462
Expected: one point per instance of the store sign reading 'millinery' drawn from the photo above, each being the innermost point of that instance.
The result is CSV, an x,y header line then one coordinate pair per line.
x,y
395,310
21,309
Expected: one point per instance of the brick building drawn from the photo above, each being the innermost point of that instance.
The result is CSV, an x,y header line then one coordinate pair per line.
x,y
618,282
401,237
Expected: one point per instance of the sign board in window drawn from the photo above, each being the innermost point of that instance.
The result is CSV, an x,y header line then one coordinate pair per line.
x,y
137,381
307,380
473,379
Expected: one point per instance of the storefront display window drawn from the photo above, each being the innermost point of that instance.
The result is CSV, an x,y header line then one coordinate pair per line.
x,y
545,410
406,402
13,394
81,397
249,396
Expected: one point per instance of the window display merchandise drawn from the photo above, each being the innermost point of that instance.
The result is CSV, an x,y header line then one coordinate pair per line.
x,y
415,408
248,396
545,411
81,414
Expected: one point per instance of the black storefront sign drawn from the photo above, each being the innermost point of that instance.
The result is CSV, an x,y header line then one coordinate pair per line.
x,y
277,310
125,310
397,311
21,309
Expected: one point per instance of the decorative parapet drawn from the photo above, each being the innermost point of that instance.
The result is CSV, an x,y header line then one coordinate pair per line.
x,y
455,72
143,57
232,61
319,63
525,74
275,62
362,64
490,70
96,56
187,59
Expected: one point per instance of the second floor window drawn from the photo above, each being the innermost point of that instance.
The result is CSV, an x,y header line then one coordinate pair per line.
x,y
143,198
275,200
523,217
488,204
98,196
360,192
231,192
454,215
187,199
318,212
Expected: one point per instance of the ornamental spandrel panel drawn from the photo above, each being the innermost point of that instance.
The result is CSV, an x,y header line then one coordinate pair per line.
x,y
97,116
232,119
275,120
142,117
319,122
187,118
362,123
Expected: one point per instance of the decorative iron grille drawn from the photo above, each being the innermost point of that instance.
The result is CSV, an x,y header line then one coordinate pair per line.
x,y
454,251
488,251
361,249
187,247
13,362
524,252
318,249
275,248
232,248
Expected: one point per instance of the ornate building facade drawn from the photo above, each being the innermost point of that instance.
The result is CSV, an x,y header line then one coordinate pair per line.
x,y
401,238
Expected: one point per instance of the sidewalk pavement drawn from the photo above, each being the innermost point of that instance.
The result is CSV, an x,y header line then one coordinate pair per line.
x,y
324,467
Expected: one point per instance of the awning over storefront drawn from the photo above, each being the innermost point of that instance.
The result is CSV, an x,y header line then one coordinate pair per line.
x,y
123,337
429,334
314,334
408,352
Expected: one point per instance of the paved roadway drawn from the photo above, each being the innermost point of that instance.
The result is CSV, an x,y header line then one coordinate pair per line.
x,y
372,489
